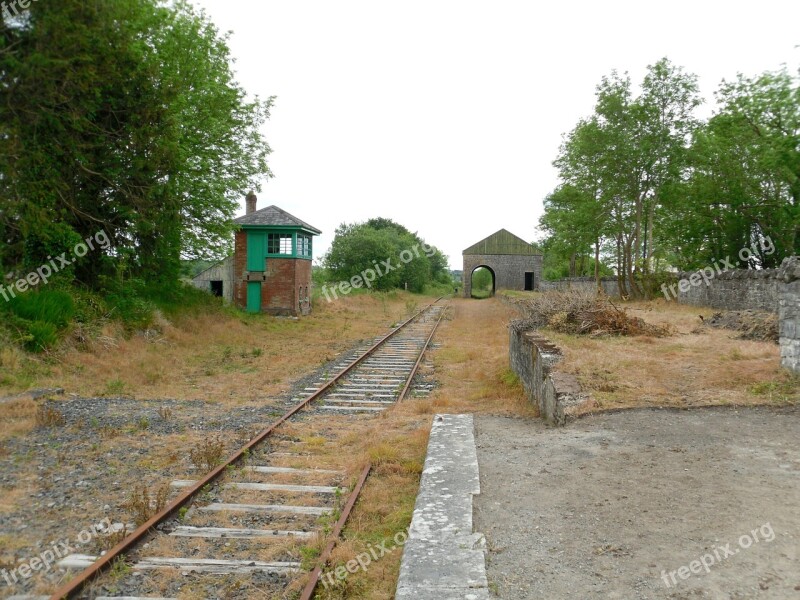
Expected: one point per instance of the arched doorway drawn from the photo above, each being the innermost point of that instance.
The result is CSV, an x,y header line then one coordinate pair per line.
x,y
483,282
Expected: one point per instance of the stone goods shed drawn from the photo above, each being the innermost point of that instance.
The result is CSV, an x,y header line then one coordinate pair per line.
x,y
514,263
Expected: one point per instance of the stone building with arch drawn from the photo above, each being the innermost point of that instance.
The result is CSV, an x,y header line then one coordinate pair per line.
x,y
514,263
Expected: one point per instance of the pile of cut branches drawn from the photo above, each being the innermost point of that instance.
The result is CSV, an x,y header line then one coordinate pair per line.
x,y
751,324
581,312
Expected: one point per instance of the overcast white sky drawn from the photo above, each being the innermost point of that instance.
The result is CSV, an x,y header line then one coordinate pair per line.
x,y
445,115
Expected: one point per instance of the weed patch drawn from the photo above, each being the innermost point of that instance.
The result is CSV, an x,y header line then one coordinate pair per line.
x,y
47,416
207,454
142,504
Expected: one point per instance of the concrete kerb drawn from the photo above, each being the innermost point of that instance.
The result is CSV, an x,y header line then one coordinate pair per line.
x,y
443,559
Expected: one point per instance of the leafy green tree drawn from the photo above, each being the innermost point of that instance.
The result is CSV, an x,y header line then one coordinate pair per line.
x,y
360,247
647,185
616,169
744,184
357,248
122,116
481,279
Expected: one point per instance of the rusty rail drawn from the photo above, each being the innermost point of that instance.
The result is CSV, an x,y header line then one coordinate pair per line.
x,y
410,379
73,587
308,591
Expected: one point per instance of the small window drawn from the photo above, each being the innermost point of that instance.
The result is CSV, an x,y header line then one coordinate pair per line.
x,y
279,243
304,245
216,288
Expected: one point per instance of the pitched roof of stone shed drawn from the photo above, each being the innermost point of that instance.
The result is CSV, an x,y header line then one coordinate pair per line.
x,y
502,242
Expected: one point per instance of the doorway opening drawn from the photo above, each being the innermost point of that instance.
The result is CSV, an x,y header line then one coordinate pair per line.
x,y
482,283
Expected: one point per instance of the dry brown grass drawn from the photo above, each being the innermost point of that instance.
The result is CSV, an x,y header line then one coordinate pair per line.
x,y
696,366
47,416
472,367
218,357
395,443
19,417
472,373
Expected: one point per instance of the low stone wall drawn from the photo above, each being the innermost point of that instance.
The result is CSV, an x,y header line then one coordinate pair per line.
x,y
789,313
532,358
609,285
771,290
736,289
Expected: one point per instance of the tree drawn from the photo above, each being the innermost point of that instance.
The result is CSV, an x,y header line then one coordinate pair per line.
x,y
360,247
616,169
744,184
481,279
124,116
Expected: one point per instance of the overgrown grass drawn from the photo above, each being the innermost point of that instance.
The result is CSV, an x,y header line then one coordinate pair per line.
x,y
39,320
481,294
697,366
55,307
198,349
35,319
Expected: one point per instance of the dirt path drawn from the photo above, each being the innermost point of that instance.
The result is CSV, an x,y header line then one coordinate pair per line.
x,y
611,505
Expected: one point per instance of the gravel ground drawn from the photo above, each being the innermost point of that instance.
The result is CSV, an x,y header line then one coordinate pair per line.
x,y
58,482
610,505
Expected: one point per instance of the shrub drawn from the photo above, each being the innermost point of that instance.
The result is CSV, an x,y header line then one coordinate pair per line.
x,y
55,307
125,302
39,336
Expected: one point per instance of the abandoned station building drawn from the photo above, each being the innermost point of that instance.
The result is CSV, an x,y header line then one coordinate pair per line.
x,y
514,263
270,270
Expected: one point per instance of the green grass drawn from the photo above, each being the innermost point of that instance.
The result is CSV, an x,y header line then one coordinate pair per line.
x,y
779,392
510,379
34,320
481,294
115,387
54,307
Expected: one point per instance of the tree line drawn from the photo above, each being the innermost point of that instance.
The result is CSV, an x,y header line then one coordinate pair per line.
x,y
121,116
645,186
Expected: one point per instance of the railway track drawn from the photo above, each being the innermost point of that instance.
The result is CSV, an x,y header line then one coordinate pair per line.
x,y
241,530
